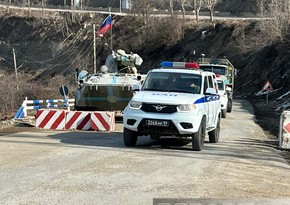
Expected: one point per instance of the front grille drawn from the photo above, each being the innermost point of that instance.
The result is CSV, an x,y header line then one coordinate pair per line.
x,y
158,108
150,130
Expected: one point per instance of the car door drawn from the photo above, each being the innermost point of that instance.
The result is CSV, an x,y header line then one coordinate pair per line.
x,y
211,101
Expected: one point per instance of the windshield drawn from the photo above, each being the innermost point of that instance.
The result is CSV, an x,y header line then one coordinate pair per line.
x,y
173,82
214,69
220,84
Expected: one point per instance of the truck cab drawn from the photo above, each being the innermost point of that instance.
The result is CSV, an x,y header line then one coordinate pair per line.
x,y
176,100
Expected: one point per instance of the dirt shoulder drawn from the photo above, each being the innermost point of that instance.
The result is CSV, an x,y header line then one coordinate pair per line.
x,y
269,120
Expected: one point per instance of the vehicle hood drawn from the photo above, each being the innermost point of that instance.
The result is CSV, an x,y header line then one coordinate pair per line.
x,y
166,97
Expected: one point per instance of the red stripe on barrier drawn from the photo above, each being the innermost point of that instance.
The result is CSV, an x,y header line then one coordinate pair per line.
x,y
57,121
287,127
83,122
72,120
47,118
38,113
103,121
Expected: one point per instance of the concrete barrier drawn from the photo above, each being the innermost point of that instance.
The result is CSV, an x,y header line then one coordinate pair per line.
x,y
284,131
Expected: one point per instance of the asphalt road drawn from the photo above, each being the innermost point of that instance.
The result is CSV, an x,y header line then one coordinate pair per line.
x,y
63,167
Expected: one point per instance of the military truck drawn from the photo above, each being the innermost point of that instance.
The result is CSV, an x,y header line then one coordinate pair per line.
x,y
112,86
222,67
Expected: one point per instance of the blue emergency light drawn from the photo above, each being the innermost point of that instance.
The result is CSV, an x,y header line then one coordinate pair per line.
x,y
190,65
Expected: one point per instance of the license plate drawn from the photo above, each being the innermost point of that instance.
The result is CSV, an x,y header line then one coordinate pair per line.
x,y
158,123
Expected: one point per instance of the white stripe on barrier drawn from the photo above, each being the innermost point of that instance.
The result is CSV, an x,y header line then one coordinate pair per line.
x,y
284,132
103,121
50,119
78,120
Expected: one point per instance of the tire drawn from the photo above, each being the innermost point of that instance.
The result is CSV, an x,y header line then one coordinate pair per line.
x,y
224,113
198,137
214,135
129,137
230,105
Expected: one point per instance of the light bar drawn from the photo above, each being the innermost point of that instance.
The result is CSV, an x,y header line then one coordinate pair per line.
x,y
192,65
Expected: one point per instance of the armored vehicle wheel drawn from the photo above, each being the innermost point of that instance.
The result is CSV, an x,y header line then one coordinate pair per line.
x,y
130,137
214,135
230,105
198,138
224,113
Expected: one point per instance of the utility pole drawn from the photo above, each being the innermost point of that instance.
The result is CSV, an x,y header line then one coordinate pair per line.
x,y
15,67
95,62
120,6
73,10
111,30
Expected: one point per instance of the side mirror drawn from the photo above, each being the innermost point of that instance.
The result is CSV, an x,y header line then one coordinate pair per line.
x,y
136,87
210,91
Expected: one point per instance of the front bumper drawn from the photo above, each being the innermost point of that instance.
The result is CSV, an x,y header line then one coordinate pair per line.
x,y
179,123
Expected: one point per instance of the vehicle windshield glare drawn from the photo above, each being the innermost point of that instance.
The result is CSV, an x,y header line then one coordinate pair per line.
x,y
172,82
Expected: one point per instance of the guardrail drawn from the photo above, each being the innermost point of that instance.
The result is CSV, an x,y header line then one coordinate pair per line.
x,y
27,105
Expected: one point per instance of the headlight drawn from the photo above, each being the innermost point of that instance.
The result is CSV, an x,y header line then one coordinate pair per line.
x,y
135,104
185,108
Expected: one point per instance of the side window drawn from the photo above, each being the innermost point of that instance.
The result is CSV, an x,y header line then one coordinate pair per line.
x,y
205,84
210,81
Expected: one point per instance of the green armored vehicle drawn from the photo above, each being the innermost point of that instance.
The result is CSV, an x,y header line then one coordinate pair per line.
x,y
111,88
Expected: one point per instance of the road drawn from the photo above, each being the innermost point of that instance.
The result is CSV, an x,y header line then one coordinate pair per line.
x,y
66,167
121,13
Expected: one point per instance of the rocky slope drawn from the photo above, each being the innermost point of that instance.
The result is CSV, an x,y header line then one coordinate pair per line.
x,y
57,46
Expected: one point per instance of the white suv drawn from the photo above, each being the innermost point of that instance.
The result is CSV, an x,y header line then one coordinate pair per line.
x,y
221,81
175,101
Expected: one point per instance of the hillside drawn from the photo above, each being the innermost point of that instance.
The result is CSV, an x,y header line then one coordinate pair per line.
x,y
47,48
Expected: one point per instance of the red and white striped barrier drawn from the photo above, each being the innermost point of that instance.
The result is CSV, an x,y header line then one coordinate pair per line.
x,y
103,121
78,120
60,119
50,119
284,133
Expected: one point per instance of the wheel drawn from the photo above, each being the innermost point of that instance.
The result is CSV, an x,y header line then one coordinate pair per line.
x,y
230,105
224,113
130,137
214,135
198,138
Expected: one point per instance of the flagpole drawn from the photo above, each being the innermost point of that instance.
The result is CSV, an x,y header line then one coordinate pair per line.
x,y
95,62
111,30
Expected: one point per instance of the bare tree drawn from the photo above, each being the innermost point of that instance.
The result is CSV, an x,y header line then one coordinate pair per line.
x,y
171,7
197,7
183,4
210,4
143,8
277,25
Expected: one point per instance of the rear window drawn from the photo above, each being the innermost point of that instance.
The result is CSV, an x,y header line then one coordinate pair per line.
x,y
220,84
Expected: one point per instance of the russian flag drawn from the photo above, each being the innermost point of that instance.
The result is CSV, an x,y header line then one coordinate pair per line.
x,y
105,26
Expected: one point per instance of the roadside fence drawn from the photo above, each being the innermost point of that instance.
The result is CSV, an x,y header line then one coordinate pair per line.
x,y
34,105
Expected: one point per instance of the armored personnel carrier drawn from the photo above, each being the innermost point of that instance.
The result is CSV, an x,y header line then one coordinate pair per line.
x,y
111,88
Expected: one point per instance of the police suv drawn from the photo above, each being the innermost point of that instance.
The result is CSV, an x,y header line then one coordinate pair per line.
x,y
221,81
177,100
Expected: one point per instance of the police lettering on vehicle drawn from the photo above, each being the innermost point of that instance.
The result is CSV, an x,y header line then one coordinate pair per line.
x,y
165,94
